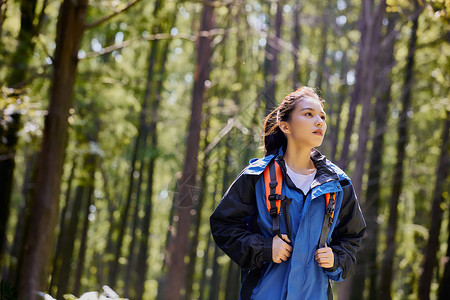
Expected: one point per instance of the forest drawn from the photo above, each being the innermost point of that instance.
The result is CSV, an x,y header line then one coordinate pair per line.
x,y
123,122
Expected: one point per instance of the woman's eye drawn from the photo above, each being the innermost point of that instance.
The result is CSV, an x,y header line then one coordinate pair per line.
x,y
323,118
308,114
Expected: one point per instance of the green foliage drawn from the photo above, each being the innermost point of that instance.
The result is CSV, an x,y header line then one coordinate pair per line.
x,y
109,96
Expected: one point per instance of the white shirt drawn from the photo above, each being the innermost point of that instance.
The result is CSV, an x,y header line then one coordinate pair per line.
x,y
301,181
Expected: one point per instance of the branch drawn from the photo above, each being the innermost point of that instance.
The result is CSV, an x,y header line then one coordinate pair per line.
x,y
101,21
158,36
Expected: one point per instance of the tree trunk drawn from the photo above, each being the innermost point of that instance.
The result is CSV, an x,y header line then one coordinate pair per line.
x,y
169,236
323,56
62,231
23,219
7,152
129,274
141,269
295,41
204,280
198,213
176,275
341,97
233,282
366,257
141,138
216,276
101,263
386,274
16,78
39,240
271,58
90,165
364,90
436,216
68,242
364,22
444,285
3,7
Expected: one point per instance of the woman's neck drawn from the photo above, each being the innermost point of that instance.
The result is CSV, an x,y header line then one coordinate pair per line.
x,y
299,160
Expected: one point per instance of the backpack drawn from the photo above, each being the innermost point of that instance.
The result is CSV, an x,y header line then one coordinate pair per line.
x,y
275,201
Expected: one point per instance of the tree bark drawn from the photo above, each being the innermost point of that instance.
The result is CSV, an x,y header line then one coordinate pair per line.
x,y
3,8
62,231
386,274
141,269
39,240
8,138
444,285
367,256
233,283
376,156
295,41
271,59
341,97
176,275
364,22
324,37
432,246
198,213
23,219
90,165
68,242
364,90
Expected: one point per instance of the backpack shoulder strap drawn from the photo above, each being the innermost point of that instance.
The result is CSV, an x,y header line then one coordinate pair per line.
x,y
273,180
330,201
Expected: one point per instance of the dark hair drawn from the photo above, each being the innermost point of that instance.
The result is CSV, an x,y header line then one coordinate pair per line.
x,y
273,137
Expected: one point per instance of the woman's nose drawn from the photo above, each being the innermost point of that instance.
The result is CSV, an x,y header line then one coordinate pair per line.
x,y
319,122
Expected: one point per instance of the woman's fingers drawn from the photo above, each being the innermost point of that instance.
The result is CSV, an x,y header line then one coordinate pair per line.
x,y
324,257
281,250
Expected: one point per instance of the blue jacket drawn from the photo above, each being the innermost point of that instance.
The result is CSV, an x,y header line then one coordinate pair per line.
x,y
241,226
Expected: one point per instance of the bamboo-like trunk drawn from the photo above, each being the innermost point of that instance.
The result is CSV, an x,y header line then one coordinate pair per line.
x,y
271,58
386,274
444,285
436,215
178,248
40,234
62,230
16,77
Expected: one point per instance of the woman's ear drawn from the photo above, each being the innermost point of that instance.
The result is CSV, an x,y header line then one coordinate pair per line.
x,y
284,127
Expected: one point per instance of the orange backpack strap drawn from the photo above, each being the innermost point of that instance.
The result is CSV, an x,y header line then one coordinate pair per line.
x,y
273,180
330,201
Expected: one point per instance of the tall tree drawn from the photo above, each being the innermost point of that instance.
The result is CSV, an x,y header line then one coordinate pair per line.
x,y
366,257
30,23
444,285
178,248
295,41
376,158
370,26
142,265
386,273
40,232
271,57
432,246
366,27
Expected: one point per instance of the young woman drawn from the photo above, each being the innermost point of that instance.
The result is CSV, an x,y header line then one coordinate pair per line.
x,y
292,244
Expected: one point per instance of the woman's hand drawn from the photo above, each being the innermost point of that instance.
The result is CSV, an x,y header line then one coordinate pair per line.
x,y
281,250
324,257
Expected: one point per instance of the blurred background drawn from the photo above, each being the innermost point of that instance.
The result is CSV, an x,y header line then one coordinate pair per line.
x,y
123,123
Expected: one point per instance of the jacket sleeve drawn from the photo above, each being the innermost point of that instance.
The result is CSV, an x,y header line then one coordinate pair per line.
x,y
346,237
230,225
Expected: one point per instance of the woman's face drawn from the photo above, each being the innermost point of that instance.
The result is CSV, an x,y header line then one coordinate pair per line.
x,y
307,126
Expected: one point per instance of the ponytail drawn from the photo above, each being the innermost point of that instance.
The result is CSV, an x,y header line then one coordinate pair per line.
x,y
273,137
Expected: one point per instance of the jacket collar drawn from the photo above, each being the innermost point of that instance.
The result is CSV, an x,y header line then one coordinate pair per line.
x,y
325,172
